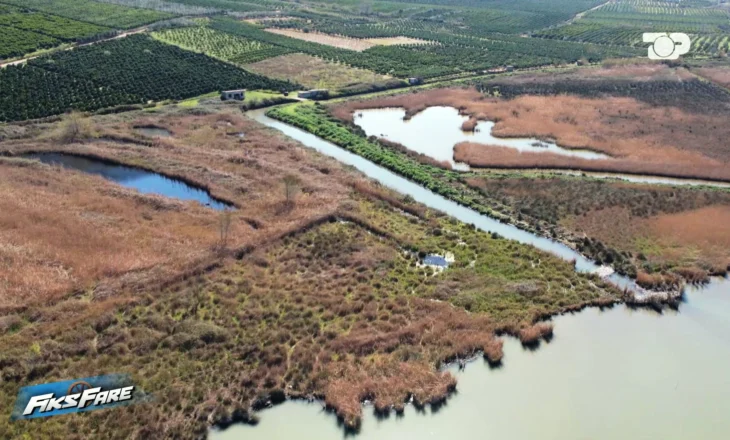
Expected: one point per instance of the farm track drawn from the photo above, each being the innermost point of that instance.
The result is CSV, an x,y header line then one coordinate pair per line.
x,y
124,34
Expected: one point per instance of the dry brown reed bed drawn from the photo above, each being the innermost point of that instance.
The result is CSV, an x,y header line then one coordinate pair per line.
x,y
64,231
66,235
641,138
719,75
616,69
694,241
491,156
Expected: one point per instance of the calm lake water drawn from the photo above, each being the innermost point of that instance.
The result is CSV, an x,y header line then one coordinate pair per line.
x,y
143,181
617,374
436,130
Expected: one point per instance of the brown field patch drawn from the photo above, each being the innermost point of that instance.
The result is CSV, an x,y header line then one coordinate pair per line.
x,y
642,138
356,44
634,227
314,72
266,20
350,43
396,41
719,75
687,240
621,69
703,229
62,231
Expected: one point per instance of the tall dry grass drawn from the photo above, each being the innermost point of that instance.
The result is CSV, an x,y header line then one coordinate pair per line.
x,y
720,75
639,137
491,156
531,335
694,243
63,231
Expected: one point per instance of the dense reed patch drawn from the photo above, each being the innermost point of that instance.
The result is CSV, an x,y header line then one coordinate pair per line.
x,y
641,137
637,228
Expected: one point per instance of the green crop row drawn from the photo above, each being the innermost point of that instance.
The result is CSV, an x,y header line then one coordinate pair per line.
x,y
583,31
54,26
23,31
220,45
136,69
15,42
660,17
103,14
454,53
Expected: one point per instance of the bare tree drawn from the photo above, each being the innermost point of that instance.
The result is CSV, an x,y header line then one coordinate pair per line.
x,y
74,127
224,226
291,186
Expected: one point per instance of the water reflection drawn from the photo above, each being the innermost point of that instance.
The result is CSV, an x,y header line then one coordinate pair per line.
x,y
143,181
436,130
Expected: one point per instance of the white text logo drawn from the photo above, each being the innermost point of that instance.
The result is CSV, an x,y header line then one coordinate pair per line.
x,y
667,46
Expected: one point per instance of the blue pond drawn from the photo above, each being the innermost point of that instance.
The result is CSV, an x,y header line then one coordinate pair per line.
x,y
143,181
435,260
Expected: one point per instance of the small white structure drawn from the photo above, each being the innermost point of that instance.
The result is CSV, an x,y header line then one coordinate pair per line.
x,y
237,95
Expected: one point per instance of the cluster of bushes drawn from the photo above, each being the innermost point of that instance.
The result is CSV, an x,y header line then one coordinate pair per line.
x,y
359,89
290,320
558,198
265,102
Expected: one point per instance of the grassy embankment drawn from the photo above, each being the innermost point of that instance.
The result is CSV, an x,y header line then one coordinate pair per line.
x,y
293,302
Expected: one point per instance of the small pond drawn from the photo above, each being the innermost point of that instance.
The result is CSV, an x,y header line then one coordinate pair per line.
x,y
436,130
435,260
153,132
143,181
